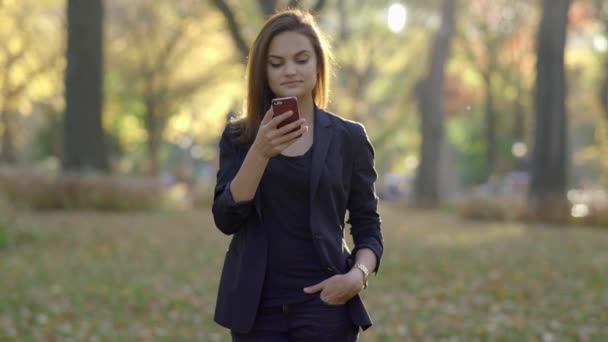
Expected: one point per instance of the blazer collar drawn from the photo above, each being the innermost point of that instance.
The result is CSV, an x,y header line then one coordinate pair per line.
x,y
321,141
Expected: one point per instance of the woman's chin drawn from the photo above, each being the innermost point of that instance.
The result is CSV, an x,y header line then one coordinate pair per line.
x,y
289,92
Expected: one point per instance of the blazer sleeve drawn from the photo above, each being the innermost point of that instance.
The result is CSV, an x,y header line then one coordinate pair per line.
x,y
362,204
229,216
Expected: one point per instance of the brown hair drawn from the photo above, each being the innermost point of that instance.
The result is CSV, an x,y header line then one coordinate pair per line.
x,y
259,94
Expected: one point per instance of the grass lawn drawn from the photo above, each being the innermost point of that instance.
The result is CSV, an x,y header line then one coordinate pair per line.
x,y
153,276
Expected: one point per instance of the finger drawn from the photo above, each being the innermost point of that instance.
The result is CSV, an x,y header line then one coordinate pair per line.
x,y
290,138
291,126
276,136
331,298
279,118
331,301
268,116
280,133
314,289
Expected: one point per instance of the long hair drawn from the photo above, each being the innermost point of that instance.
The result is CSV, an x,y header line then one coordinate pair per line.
x,y
259,93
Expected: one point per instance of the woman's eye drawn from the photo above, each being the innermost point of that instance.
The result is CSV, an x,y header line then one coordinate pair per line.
x,y
275,65
302,61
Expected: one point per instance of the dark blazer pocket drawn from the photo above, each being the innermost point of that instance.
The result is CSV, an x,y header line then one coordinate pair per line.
x,y
326,304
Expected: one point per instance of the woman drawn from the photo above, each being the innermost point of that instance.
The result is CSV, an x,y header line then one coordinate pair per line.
x,y
283,193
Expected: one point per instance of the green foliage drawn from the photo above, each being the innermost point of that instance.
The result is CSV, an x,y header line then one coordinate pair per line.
x,y
464,133
7,222
5,238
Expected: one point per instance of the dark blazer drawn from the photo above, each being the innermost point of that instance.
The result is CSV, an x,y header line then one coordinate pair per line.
x,y
342,178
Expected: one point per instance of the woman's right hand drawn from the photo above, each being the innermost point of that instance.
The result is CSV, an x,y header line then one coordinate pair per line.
x,y
271,140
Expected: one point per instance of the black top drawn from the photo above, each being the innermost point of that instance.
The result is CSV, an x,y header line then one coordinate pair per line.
x,y
293,262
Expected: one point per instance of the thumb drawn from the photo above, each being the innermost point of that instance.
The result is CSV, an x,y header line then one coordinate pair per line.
x,y
314,289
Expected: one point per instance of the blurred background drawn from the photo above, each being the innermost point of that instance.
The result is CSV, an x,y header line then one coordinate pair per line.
x,y
489,121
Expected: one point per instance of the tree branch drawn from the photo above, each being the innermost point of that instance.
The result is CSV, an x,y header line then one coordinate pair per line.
x,y
32,74
319,6
268,7
171,44
233,27
316,8
187,88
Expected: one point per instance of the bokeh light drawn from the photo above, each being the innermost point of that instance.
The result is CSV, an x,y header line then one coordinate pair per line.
x,y
397,17
600,43
519,149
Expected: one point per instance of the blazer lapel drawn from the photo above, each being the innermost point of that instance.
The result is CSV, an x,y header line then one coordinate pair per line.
x,y
321,141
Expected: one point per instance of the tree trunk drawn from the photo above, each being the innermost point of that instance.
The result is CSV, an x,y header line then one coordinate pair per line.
x,y
83,145
490,131
8,137
430,94
153,127
519,122
602,13
548,181
7,117
603,95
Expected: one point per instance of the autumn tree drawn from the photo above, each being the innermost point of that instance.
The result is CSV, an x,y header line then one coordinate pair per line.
x,y
493,41
163,57
26,64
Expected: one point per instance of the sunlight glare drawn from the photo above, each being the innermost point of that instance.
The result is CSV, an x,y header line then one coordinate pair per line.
x,y
411,162
580,210
397,16
519,149
600,43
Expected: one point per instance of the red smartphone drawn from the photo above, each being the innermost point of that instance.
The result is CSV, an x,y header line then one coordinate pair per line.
x,y
284,104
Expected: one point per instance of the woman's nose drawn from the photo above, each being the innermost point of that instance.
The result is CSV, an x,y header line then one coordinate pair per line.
x,y
290,68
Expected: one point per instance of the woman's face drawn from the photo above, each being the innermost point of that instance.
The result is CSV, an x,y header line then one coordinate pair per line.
x,y
291,66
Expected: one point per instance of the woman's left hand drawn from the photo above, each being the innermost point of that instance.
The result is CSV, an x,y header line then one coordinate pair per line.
x,y
338,289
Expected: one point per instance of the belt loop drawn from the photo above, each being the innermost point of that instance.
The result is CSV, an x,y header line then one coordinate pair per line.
x,y
285,308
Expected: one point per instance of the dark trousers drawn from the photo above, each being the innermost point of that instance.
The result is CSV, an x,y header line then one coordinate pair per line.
x,y
311,321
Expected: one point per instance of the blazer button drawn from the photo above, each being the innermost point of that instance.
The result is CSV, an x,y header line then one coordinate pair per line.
x,y
317,236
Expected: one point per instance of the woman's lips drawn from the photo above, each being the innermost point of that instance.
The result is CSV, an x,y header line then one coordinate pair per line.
x,y
291,83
